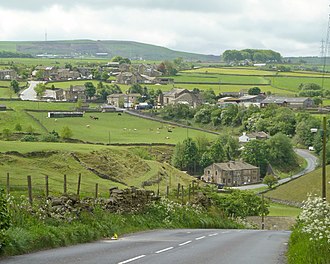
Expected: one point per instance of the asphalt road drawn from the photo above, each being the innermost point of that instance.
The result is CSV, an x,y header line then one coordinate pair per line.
x,y
193,246
29,93
312,163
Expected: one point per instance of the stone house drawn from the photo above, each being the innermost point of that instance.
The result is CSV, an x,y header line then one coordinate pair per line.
x,y
129,78
75,93
65,74
232,173
8,75
126,100
253,136
180,96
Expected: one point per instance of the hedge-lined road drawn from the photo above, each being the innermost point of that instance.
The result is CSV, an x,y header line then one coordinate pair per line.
x,y
193,246
311,160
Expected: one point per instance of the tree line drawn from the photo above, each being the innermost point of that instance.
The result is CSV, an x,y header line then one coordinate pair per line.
x,y
254,55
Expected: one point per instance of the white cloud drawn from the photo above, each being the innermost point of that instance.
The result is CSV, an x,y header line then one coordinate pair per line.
x,y
293,27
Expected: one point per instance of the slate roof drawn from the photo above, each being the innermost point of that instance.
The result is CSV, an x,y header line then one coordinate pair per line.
x,y
235,165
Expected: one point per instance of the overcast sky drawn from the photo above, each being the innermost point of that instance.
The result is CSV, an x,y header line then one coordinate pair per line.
x,y
291,27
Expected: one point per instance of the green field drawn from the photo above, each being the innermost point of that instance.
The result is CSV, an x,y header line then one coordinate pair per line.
x,y
299,189
124,128
276,209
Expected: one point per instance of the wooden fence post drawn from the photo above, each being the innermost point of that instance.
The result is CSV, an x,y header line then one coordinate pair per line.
x,y
182,194
30,189
96,190
47,186
178,191
189,188
79,182
8,184
64,184
167,191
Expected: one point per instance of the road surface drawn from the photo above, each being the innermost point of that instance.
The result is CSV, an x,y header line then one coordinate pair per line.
x,y
193,246
312,163
29,94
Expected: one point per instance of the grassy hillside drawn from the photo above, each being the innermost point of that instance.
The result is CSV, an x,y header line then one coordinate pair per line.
x,y
109,167
298,190
76,48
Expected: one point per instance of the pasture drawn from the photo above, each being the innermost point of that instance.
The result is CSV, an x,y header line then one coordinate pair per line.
x,y
299,189
123,128
54,160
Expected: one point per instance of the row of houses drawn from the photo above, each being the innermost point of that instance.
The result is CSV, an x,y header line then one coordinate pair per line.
x,y
262,100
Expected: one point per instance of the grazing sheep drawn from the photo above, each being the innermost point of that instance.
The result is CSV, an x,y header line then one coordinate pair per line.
x,y
87,126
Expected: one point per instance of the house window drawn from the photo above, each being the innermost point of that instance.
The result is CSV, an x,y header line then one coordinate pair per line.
x,y
228,180
216,173
208,172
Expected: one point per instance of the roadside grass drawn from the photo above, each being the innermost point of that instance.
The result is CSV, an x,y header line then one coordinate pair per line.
x,y
29,233
297,190
302,250
114,128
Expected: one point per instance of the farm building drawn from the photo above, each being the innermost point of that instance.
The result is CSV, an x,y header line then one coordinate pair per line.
x,y
65,114
292,102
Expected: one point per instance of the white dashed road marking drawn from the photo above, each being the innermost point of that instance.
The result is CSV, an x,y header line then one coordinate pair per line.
x,y
163,250
185,243
199,238
132,259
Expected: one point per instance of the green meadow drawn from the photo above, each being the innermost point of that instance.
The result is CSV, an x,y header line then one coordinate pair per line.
x,y
124,128
299,189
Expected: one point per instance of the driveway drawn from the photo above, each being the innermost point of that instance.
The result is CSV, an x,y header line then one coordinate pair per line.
x,y
29,94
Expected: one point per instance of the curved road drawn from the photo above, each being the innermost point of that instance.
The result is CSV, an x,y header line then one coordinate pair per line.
x,y
312,163
182,246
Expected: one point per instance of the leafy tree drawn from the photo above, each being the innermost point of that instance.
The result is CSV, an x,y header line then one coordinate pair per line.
x,y
281,152
40,89
14,85
230,147
203,116
121,60
209,96
270,180
66,133
40,74
254,91
256,152
90,89
188,155
241,204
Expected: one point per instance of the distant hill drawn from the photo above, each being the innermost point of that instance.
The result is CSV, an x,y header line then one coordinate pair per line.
x,y
102,48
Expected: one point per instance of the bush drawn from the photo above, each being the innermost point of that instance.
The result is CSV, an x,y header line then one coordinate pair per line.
x,y
310,240
30,138
241,204
4,218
